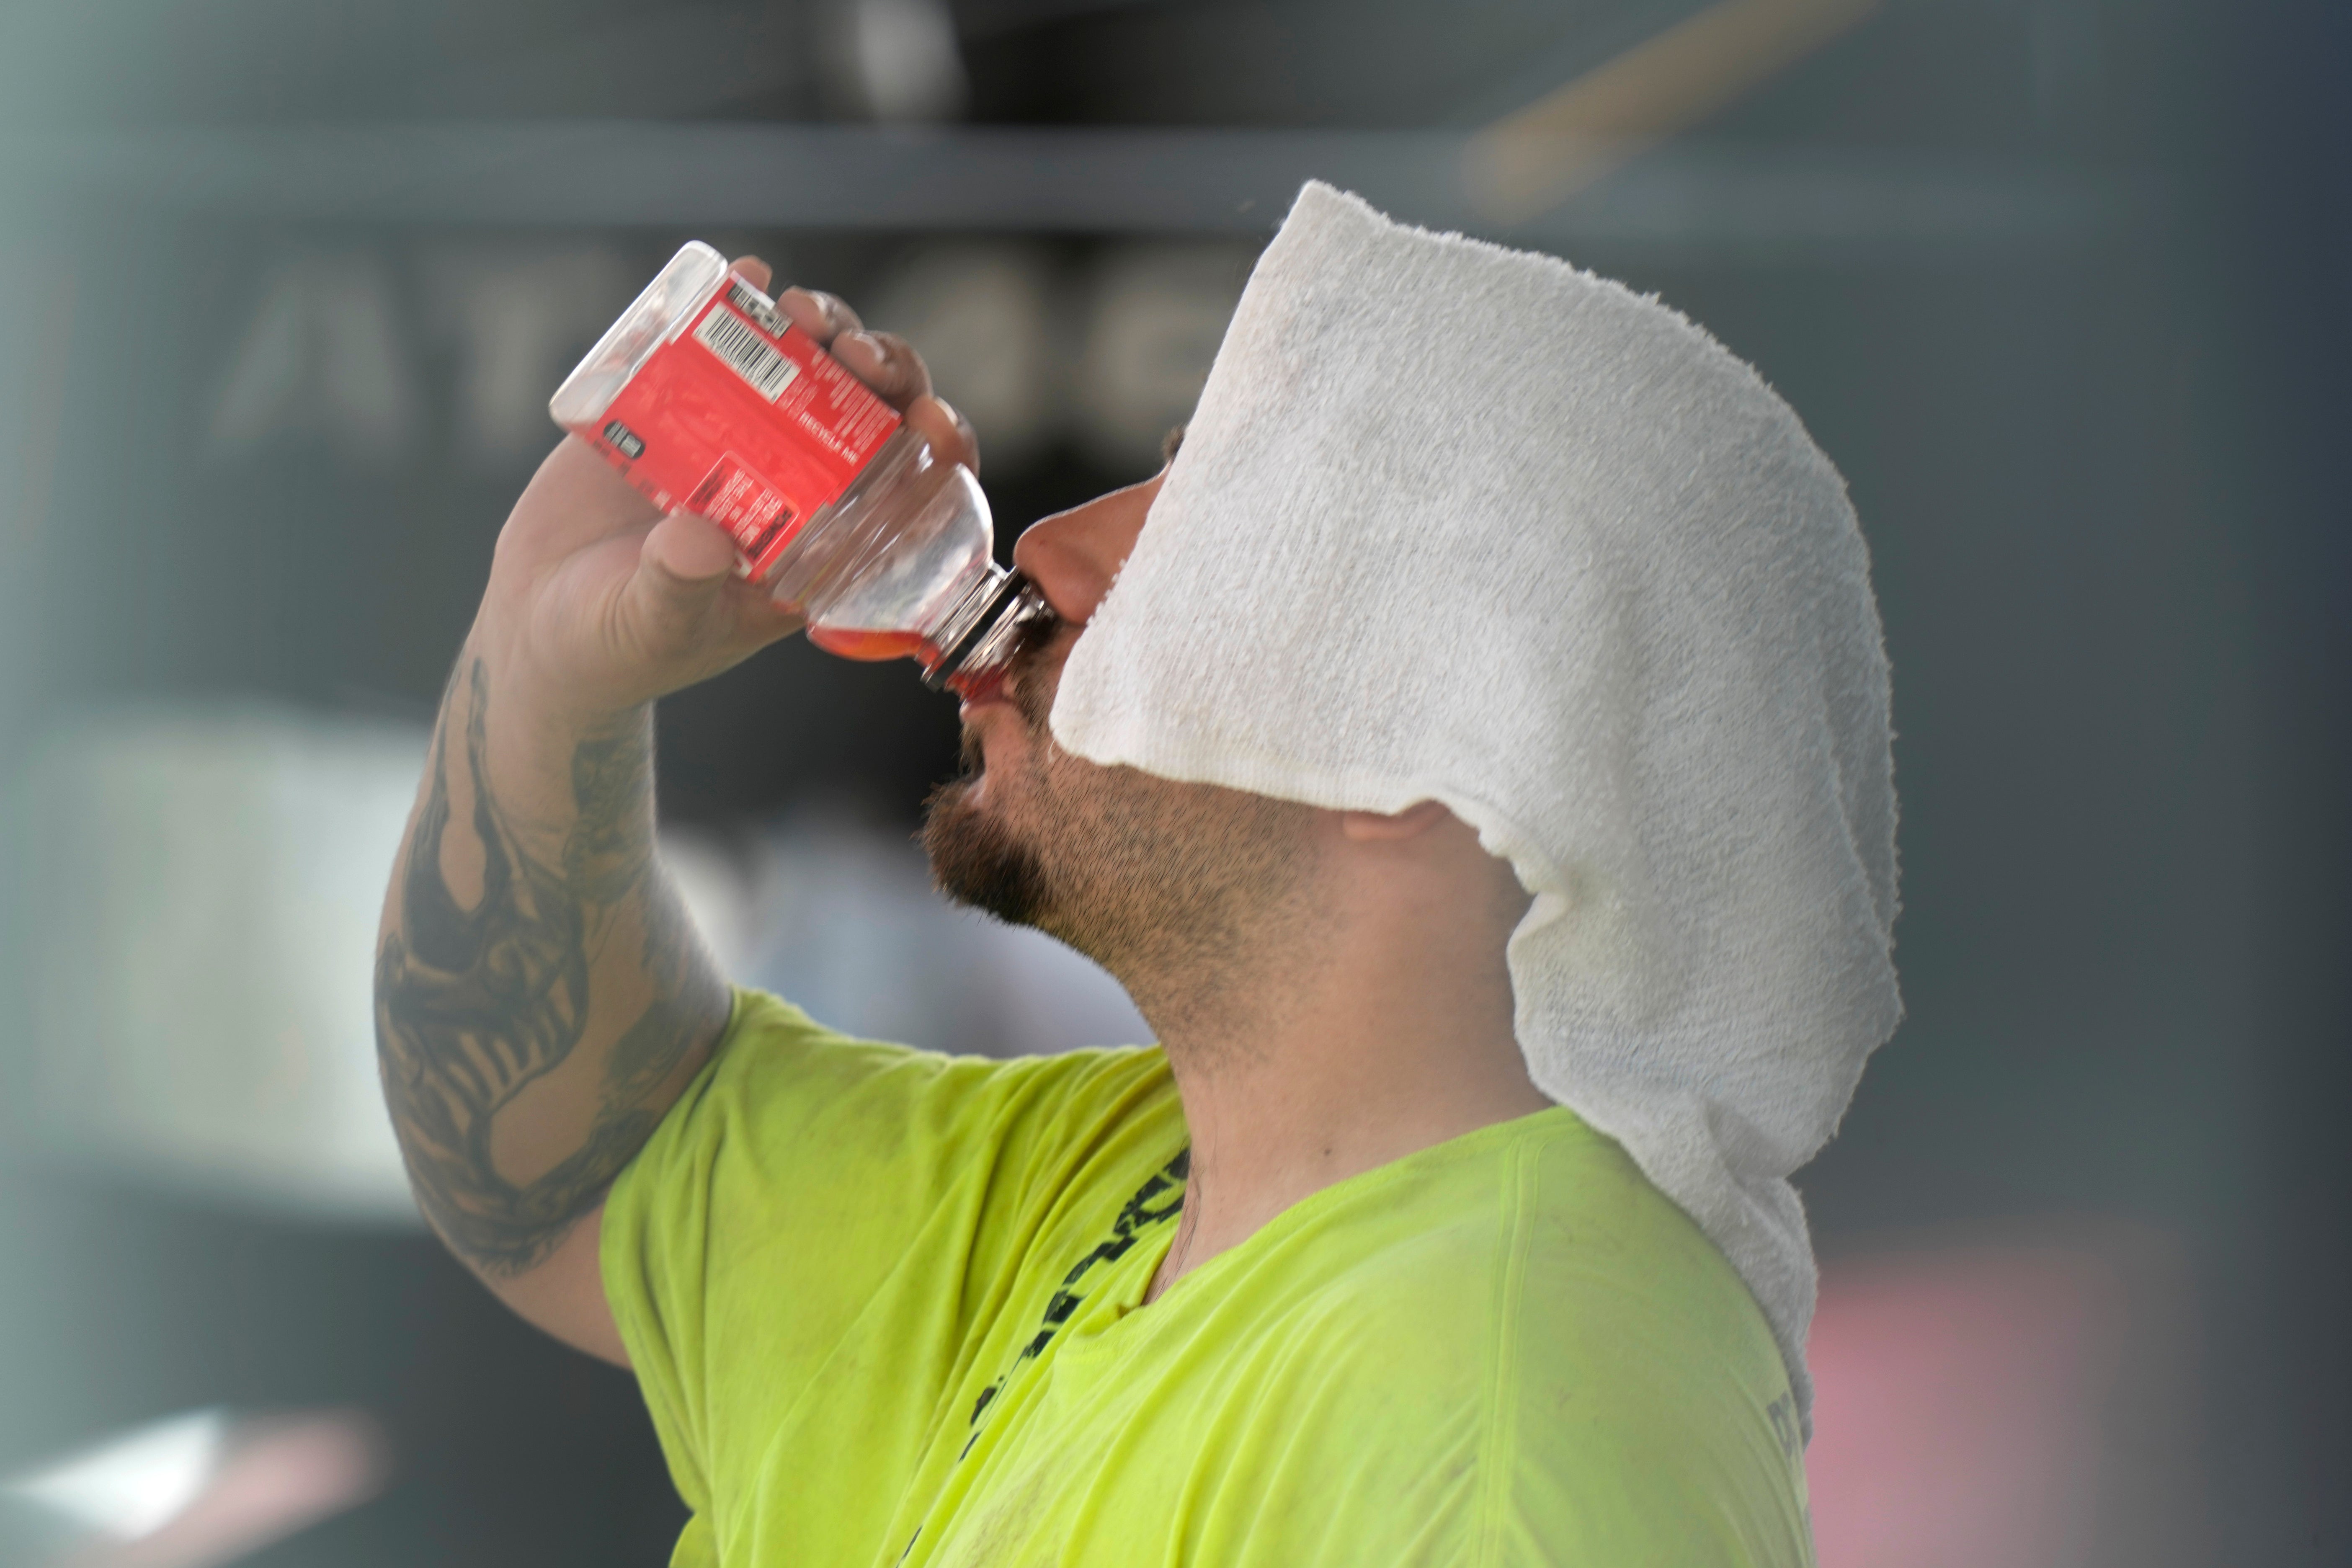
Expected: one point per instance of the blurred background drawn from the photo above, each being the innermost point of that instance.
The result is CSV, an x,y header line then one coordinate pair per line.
x,y
284,287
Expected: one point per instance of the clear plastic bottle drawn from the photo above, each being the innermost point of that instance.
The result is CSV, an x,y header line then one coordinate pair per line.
x,y
709,400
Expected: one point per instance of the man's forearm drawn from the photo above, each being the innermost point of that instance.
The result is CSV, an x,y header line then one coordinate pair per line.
x,y
540,994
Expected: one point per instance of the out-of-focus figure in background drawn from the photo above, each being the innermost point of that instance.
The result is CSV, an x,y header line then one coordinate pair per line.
x,y
198,946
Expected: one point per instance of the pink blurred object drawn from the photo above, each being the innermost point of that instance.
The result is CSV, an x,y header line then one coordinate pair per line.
x,y
205,1491
2025,1405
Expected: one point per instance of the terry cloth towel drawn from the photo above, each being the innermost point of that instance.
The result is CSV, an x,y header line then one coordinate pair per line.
x,y
1464,523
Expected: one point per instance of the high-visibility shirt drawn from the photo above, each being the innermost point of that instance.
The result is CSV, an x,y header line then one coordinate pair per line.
x,y
888,1309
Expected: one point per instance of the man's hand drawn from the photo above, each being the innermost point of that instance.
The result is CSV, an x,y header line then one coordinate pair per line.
x,y
542,996
597,603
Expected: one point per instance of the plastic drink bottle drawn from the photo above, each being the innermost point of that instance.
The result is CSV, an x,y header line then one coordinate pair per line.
x,y
709,400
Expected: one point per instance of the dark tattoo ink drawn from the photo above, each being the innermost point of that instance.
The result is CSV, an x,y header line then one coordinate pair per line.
x,y
474,1003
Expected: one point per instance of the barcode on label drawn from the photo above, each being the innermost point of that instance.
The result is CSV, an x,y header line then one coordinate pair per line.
x,y
760,310
749,355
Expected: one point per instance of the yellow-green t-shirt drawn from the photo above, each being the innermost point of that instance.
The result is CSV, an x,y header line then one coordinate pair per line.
x,y
886,1307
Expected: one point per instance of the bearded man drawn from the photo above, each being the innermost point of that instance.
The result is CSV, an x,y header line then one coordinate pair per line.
x,y
1470,751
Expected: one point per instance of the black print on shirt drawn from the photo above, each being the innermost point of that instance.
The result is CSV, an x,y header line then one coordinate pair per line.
x,y
1149,1206
1783,1414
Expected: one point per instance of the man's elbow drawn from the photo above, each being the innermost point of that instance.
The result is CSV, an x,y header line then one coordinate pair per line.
x,y
563,1293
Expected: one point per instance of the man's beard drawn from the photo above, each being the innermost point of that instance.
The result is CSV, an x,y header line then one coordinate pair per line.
x,y
976,860
1155,880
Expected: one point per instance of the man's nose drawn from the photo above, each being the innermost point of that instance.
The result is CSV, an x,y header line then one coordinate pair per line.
x,y
1073,555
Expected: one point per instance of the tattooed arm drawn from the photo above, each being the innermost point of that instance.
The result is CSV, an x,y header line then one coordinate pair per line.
x,y
542,997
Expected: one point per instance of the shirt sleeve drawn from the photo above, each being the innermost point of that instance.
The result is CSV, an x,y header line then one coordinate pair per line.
x,y
819,1213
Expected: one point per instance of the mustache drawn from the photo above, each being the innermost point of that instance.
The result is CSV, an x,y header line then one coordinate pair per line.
x,y
1033,637
1025,665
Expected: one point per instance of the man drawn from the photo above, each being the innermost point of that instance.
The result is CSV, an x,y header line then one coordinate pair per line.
x,y
1483,745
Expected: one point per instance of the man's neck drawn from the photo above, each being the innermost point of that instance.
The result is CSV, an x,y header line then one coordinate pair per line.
x,y
1337,1051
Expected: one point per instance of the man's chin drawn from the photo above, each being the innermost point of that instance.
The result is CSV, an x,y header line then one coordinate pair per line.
x,y
976,859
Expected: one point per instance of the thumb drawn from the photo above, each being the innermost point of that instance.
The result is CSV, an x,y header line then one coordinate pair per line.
x,y
685,564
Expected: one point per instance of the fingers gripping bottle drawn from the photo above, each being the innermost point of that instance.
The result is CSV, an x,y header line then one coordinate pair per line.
x,y
709,400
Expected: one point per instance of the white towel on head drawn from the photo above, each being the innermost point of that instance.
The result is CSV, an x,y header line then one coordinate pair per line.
x,y
1464,523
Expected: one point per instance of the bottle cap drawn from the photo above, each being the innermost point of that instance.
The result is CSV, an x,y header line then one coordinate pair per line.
x,y
982,631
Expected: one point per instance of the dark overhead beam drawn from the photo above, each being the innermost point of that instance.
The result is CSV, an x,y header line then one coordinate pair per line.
x,y
1682,196
990,18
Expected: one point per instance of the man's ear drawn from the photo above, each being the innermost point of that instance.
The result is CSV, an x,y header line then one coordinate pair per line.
x,y
1375,828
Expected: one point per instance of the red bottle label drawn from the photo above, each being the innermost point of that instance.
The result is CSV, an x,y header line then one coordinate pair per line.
x,y
743,419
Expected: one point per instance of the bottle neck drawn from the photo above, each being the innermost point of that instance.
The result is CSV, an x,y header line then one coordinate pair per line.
x,y
981,631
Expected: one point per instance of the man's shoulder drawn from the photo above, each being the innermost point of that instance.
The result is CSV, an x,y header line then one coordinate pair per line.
x,y
1463,1219
1532,1310
775,1066
1525,1316
1532,1249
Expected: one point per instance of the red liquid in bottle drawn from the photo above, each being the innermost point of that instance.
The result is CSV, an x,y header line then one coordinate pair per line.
x,y
861,643
856,642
